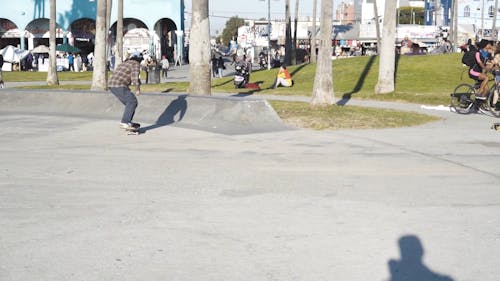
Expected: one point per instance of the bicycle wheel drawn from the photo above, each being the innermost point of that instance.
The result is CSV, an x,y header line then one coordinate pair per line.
x,y
493,102
462,98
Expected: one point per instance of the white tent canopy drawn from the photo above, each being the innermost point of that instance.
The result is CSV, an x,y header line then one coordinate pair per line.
x,y
13,54
40,49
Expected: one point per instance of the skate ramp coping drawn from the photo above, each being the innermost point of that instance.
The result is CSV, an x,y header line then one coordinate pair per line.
x,y
225,115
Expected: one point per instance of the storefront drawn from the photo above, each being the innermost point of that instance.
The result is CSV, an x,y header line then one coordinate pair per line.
x,y
159,29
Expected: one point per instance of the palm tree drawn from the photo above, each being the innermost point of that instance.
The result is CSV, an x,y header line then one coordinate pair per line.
x,y
295,23
387,53
199,50
109,5
377,24
52,78
99,74
313,35
323,80
494,25
453,24
119,34
288,34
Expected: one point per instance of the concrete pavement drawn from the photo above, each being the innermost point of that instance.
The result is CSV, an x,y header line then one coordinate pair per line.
x,y
80,200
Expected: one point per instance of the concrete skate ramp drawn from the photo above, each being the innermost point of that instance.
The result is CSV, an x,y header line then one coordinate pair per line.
x,y
225,115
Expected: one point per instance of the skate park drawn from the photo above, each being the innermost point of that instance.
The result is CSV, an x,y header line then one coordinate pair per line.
x,y
196,197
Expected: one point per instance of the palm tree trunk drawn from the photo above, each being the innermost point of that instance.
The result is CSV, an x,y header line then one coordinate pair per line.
x,y
199,50
313,35
99,74
387,52
453,27
377,24
494,24
323,80
119,34
295,23
109,5
52,78
288,34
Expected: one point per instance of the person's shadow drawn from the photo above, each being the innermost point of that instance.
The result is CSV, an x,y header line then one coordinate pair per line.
x,y
177,106
411,267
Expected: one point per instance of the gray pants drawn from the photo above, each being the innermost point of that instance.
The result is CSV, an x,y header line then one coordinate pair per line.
x,y
129,100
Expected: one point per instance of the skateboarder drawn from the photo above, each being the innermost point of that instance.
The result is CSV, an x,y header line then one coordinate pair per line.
x,y
126,74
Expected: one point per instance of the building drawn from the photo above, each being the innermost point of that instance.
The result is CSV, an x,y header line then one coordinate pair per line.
x,y
157,27
345,13
418,33
475,19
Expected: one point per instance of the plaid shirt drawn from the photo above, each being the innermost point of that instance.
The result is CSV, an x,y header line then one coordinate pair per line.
x,y
126,74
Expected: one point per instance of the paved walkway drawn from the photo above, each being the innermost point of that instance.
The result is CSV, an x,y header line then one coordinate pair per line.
x,y
80,200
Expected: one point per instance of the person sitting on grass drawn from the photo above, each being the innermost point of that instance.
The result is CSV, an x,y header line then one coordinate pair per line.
x,y
283,78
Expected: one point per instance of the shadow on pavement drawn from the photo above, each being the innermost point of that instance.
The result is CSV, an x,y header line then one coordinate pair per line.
x,y
410,267
176,107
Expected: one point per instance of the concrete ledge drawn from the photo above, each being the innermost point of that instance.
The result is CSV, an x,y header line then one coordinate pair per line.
x,y
225,115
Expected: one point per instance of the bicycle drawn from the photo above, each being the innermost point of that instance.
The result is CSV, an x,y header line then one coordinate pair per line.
x,y
464,101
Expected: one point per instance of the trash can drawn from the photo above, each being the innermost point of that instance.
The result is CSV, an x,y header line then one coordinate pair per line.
x,y
153,75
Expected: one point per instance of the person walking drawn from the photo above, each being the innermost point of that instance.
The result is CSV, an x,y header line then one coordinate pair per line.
x,y
221,66
126,74
215,65
164,66
71,62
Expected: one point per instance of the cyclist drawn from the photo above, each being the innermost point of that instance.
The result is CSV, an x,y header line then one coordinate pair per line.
x,y
479,71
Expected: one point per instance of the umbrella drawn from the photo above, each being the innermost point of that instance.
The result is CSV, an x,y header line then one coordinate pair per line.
x,y
67,48
40,49
13,54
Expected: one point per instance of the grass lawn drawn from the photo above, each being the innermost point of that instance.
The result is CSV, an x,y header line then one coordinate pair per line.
x,y
427,79
301,115
419,79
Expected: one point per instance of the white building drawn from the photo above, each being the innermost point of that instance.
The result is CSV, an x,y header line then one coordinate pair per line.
x,y
475,19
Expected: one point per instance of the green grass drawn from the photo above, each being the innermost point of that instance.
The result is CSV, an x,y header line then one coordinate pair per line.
x,y
419,79
300,114
24,76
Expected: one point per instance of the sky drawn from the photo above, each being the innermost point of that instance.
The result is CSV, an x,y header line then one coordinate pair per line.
x,y
221,10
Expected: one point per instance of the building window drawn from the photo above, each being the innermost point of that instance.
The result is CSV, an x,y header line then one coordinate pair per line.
x,y
491,11
467,12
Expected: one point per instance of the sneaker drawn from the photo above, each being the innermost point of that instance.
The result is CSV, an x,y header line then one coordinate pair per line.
x,y
480,98
126,126
129,126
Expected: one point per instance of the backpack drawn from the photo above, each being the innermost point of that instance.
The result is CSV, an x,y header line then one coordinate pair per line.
x,y
469,57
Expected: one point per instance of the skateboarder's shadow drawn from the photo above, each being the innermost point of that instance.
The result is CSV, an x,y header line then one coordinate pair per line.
x,y
176,107
411,266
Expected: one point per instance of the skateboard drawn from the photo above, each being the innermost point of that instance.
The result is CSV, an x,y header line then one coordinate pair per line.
x,y
134,130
